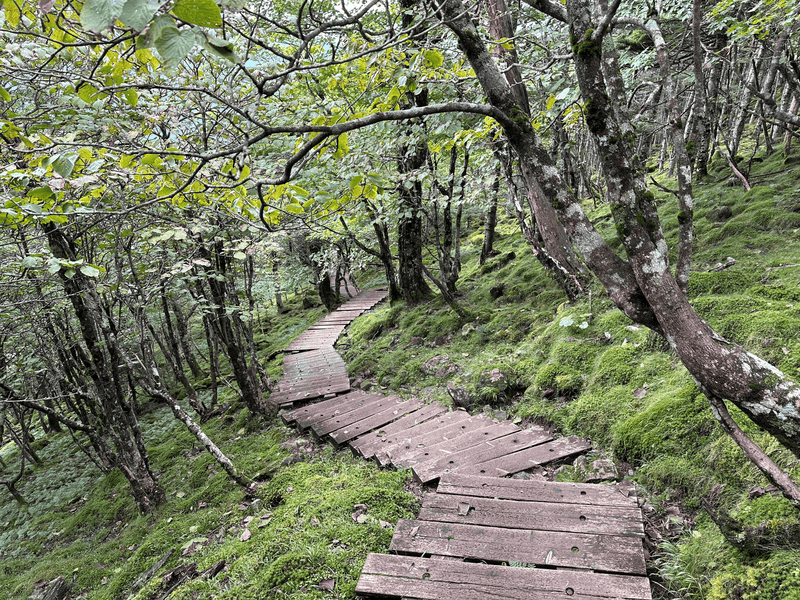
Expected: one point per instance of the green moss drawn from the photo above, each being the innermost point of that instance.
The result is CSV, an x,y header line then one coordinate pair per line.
x,y
663,427
618,365
595,414
562,378
776,576
728,281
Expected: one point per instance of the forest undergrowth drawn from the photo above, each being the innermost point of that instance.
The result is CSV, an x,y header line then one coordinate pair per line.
x,y
581,368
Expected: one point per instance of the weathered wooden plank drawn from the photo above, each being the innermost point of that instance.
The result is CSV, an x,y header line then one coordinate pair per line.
x,y
345,418
615,554
307,412
449,426
284,398
345,405
528,458
544,516
307,382
345,434
487,450
540,491
428,579
369,444
471,438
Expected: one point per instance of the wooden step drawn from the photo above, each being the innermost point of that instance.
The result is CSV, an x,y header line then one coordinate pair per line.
x,y
616,554
429,579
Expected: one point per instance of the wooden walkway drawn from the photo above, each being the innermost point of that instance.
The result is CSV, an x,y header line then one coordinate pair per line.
x,y
480,534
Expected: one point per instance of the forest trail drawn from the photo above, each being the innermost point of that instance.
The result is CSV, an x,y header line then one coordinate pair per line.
x,y
480,533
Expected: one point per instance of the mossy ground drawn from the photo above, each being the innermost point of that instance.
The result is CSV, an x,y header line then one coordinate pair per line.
x,y
620,385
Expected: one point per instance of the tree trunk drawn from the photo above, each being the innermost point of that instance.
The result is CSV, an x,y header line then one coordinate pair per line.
x,y
184,337
276,286
491,218
557,254
413,156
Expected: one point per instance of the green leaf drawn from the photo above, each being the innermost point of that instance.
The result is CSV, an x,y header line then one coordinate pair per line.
x,y
40,192
11,12
4,94
295,209
53,266
131,97
434,57
550,102
97,15
90,271
174,45
138,13
147,40
239,255
64,164
30,262
205,13
221,48
87,93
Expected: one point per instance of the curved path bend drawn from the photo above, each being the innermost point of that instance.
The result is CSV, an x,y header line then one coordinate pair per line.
x,y
480,534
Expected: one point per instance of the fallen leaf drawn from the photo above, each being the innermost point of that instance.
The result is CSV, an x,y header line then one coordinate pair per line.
x,y
246,535
247,520
414,531
361,519
201,505
640,392
244,506
385,524
463,509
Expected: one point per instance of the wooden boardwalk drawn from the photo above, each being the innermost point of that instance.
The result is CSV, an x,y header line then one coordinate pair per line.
x,y
480,534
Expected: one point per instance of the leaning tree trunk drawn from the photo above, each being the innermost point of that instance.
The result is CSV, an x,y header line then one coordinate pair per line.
x,y
556,253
